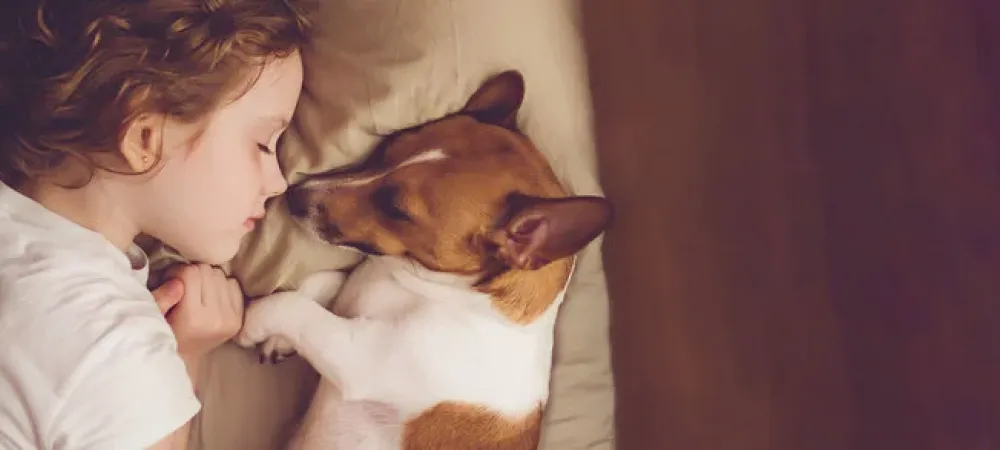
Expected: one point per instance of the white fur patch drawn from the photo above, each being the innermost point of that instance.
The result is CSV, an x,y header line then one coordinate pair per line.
x,y
427,156
436,154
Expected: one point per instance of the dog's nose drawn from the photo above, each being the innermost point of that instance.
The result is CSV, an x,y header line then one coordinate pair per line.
x,y
297,200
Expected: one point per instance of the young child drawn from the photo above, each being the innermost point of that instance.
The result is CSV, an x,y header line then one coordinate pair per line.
x,y
121,118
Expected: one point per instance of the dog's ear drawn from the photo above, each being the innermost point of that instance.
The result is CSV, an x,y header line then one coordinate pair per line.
x,y
498,100
539,230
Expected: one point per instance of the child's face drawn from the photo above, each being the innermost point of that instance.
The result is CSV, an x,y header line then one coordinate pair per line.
x,y
209,190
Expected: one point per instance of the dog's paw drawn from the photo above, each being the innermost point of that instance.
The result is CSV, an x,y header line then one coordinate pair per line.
x,y
264,319
275,350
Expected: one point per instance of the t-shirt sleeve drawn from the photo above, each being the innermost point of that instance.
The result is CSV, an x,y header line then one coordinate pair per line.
x,y
86,355
138,394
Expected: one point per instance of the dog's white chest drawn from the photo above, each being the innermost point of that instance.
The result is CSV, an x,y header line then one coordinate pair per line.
x,y
448,345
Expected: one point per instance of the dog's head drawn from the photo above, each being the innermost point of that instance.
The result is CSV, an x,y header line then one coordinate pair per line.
x,y
466,193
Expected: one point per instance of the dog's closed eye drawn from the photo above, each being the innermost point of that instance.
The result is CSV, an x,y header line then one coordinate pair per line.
x,y
386,200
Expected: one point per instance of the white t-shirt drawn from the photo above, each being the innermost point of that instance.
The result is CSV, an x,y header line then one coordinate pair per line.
x,y
87,361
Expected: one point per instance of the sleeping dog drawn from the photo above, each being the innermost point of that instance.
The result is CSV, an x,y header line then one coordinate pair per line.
x,y
442,338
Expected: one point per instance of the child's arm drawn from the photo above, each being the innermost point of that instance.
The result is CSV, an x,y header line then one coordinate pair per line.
x,y
205,309
179,440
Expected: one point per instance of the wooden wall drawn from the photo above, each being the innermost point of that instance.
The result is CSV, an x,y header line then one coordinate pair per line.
x,y
807,251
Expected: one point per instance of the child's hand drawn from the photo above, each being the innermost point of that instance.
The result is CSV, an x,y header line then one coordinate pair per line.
x,y
202,306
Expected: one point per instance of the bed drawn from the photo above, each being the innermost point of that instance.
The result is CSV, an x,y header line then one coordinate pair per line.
x,y
380,65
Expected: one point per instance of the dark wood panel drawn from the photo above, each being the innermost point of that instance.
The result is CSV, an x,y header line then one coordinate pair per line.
x,y
806,253
907,143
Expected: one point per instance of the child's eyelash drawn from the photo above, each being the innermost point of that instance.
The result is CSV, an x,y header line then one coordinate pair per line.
x,y
265,148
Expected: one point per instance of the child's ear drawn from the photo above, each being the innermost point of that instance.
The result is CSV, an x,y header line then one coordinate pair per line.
x,y
542,230
141,144
498,100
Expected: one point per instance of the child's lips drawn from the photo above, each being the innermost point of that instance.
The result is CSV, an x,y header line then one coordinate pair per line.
x,y
251,222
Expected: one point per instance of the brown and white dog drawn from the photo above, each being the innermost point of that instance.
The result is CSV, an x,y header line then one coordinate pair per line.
x,y
443,338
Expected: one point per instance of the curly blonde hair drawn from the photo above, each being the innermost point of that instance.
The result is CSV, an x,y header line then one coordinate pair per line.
x,y
74,74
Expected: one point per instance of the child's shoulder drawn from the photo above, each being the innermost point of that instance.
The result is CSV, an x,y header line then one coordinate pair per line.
x,y
34,262
49,280
85,344
61,302
58,277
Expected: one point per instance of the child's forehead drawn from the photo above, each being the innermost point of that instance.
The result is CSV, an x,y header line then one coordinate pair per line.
x,y
270,99
277,77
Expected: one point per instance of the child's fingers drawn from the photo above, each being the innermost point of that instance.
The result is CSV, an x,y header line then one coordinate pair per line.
x,y
190,275
168,295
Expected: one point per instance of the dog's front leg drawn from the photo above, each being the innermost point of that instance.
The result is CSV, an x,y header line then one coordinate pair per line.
x,y
321,287
345,351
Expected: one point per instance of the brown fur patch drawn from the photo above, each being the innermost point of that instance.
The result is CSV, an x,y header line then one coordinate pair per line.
x,y
523,295
459,426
